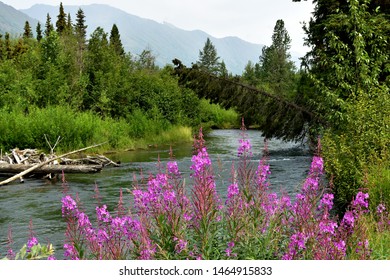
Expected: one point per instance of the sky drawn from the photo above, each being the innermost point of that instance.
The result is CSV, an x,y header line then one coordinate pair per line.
x,y
250,20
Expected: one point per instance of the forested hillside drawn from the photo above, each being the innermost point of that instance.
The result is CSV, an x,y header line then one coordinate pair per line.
x,y
61,83
165,40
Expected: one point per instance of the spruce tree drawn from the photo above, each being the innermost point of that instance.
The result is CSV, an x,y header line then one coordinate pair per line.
x,y
61,20
39,32
223,72
80,31
276,68
209,59
80,28
1,47
48,26
115,41
27,31
7,46
69,25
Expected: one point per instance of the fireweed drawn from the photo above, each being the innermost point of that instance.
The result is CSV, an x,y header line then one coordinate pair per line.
x,y
32,250
169,219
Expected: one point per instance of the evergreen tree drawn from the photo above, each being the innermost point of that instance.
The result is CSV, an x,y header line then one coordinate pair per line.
x,y
115,41
69,25
277,70
80,28
19,48
39,32
7,46
61,20
1,47
27,31
223,72
209,59
48,26
249,75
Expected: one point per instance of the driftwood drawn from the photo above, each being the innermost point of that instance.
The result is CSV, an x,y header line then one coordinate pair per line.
x,y
45,162
51,168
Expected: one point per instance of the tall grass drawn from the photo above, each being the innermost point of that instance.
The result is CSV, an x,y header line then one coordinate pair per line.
x,y
27,129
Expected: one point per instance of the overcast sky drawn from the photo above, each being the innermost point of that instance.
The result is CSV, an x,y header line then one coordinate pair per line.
x,y
251,20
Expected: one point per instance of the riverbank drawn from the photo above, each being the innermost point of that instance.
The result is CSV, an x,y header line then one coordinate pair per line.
x,y
33,129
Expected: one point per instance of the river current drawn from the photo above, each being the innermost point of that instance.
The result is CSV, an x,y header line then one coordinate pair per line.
x,y
39,201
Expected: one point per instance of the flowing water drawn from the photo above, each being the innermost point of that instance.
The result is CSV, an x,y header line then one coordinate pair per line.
x,y
39,201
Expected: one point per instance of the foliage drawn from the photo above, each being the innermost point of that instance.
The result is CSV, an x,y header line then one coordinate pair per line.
x,y
351,92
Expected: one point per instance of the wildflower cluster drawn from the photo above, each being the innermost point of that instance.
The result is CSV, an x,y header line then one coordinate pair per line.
x,y
251,223
111,238
171,220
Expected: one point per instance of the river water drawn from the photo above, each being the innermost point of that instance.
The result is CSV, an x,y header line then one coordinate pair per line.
x,y
39,201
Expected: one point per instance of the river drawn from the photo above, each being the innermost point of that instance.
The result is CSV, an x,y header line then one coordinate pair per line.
x,y
40,200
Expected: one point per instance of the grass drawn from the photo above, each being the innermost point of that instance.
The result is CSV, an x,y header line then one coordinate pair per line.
x,y
81,129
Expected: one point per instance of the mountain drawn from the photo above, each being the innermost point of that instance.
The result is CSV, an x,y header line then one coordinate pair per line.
x,y
165,40
13,21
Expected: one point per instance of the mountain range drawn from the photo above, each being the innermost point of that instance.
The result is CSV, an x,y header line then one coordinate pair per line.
x,y
12,20
166,41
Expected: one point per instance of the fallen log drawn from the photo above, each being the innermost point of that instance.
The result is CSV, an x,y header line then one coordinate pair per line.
x,y
29,170
52,168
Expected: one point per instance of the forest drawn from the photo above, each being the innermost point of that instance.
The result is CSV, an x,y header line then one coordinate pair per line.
x,y
89,90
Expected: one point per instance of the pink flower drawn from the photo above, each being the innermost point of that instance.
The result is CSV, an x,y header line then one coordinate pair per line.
x,y
262,173
298,240
233,190
173,168
31,243
200,161
327,201
348,219
380,209
68,205
102,214
70,252
317,165
244,148
328,226
361,200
